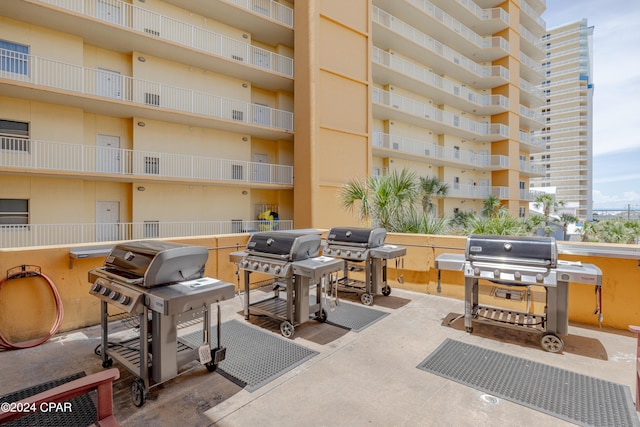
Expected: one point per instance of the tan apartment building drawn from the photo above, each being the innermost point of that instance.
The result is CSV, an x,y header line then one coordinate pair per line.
x,y
568,113
148,118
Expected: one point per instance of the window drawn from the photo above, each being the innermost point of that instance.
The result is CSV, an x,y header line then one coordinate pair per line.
x,y
151,229
14,212
152,165
151,99
14,58
14,136
236,171
521,212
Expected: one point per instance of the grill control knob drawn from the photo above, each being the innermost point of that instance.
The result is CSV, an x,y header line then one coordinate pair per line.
x,y
96,287
115,295
338,251
255,265
496,273
265,267
124,300
105,291
359,254
517,275
244,263
539,278
476,271
277,269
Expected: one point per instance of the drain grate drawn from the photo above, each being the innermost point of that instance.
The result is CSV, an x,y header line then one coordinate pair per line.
x,y
354,317
83,411
254,357
563,394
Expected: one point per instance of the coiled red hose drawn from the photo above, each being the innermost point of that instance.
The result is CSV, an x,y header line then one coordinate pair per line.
x,y
4,343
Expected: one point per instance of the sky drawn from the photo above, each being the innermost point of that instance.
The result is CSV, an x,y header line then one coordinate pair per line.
x,y
616,103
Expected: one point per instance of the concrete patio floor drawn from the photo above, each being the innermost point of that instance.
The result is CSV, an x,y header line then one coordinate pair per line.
x,y
357,379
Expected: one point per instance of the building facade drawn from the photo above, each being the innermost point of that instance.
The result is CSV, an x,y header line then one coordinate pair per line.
x,y
568,113
148,118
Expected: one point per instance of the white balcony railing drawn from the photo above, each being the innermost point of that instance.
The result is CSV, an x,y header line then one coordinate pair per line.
x,y
77,79
530,167
434,80
421,39
269,8
20,236
167,28
55,156
476,191
438,152
428,112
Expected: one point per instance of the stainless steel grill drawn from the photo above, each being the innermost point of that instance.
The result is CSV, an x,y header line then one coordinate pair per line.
x,y
163,282
292,261
512,266
363,249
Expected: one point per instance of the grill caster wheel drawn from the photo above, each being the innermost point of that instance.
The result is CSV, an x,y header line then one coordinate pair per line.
x,y
366,298
286,329
107,363
551,343
469,329
323,316
211,366
138,393
386,290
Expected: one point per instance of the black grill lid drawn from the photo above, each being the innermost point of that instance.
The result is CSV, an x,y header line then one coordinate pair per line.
x,y
530,250
287,246
364,237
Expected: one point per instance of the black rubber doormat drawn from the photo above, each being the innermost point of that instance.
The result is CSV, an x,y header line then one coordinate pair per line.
x,y
572,397
82,409
353,316
254,357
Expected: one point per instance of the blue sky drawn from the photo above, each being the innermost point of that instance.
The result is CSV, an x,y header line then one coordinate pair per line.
x,y
616,76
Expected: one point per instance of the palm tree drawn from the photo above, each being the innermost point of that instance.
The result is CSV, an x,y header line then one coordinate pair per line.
x,y
384,200
566,219
491,206
548,203
431,187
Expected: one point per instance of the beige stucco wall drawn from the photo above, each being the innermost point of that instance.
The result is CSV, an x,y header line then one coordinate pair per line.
x,y
27,311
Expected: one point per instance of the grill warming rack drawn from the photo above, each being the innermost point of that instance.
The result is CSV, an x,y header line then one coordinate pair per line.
x,y
363,250
513,267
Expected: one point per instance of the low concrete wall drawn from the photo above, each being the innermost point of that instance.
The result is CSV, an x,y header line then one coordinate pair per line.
x,y
27,308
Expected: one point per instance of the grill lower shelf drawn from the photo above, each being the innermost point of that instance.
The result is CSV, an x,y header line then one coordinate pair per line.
x,y
127,353
509,318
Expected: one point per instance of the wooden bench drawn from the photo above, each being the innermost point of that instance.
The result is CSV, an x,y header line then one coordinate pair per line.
x,y
101,381
636,329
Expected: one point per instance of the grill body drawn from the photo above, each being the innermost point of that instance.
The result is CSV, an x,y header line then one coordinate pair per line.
x,y
363,249
290,261
160,287
511,268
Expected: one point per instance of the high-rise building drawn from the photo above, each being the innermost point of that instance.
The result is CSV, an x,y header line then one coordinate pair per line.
x,y
568,114
149,118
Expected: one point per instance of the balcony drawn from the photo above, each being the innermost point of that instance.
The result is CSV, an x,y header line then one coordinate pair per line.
x,y
531,169
126,28
388,105
531,69
392,33
447,29
393,69
531,143
531,119
465,191
45,157
21,236
385,145
103,92
484,21
270,21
